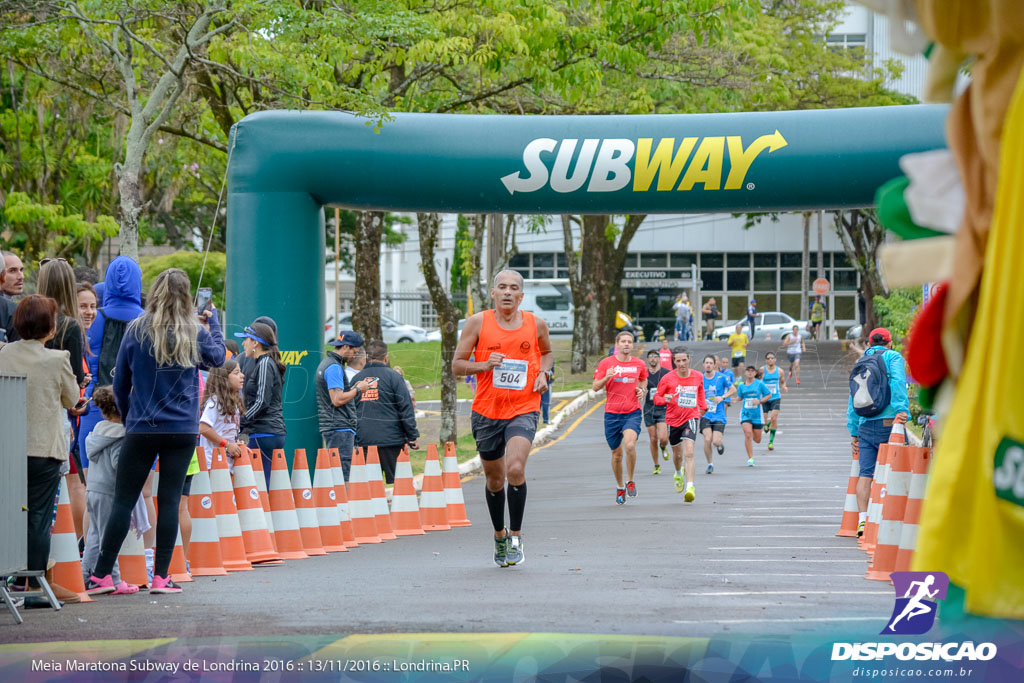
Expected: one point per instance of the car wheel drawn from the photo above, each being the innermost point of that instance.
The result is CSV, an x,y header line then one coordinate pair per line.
x,y
404,340
722,337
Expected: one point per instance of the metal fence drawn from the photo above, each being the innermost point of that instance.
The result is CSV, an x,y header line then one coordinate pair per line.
x,y
13,476
409,307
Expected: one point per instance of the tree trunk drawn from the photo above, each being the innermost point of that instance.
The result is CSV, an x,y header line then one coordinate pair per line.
x,y
480,290
130,190
366,302
862,235
615,264
594,281
805,271
447,318
582,303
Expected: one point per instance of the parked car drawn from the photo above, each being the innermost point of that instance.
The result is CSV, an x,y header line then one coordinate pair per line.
x,y
435,334
855,332
774,323
393,331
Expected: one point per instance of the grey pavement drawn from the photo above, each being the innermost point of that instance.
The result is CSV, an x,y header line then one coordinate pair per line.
x,y
756,552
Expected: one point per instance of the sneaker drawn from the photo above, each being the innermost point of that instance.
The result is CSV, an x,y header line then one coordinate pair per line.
x,y
514,554
98,586
798,381
690,494
164,584
620,496
721,449
657,469
771,446
631,489
501,550
710,469
860,529
664,454
679,483
125,588
750,462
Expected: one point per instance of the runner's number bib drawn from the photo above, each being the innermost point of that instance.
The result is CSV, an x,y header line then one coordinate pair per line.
x,y
687,397
653,392
773,387
511,374
751,403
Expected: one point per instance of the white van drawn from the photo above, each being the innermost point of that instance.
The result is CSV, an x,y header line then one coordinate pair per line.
x,y
551,301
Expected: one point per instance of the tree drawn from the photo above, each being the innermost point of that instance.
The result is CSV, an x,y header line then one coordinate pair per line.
x,y
862,235
48,230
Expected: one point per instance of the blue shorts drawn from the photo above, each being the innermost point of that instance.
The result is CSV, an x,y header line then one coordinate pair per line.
x,y
617,423
871,435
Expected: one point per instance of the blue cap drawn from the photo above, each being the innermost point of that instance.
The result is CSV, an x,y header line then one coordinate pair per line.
x,y
251,334
347,338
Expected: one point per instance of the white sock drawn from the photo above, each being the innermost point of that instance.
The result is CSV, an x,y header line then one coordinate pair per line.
x,y
862,517
679,473
149,558
689,483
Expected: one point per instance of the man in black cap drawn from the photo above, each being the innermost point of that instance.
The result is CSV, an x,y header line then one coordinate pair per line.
x,y
334,397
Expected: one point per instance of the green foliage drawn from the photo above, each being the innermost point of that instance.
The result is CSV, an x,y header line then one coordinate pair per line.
x,y
192,263
462,263
896,312
39,229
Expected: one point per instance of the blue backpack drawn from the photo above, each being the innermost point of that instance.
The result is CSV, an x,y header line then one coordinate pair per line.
x,y
869,385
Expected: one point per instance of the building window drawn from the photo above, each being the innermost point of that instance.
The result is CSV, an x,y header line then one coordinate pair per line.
x,y
739,280
840,260
683,260
712,280
712,260
428,314
845,280
790,303
845,307
764,279
738,260
658,260
792,259
766,260
790,280
521,264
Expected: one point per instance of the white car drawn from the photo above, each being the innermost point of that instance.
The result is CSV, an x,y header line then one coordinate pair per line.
x,y
774,323
435,335
393,331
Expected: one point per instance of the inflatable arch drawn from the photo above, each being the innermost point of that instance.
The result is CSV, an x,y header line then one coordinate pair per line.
x,y
285,166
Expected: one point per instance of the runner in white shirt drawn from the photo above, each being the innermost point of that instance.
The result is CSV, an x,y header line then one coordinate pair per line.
x,y
795,346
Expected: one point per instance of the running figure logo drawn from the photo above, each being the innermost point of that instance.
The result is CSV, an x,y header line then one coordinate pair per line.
x,y
914,612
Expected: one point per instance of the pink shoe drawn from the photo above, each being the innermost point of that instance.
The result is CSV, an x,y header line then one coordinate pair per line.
x,y
98,586
163,584
125,588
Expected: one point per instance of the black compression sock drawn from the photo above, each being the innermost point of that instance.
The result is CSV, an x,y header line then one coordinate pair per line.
x,y
516,506
496,506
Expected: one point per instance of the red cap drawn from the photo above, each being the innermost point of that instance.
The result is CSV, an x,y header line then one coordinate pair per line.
x,y
880,332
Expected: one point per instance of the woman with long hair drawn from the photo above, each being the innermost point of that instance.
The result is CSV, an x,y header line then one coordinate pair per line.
x,y
263,419
88,300
156,387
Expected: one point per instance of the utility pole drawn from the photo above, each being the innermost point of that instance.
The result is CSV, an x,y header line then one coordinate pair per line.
x,y
805,270
337,268
495,245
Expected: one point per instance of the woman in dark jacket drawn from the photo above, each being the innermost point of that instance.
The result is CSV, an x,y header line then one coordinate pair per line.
x,y
263,420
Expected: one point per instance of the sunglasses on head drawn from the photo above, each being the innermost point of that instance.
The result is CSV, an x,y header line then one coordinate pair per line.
x,y
47,260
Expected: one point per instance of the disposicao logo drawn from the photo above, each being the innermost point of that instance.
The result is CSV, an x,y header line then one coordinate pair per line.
x,y
917,596
605,163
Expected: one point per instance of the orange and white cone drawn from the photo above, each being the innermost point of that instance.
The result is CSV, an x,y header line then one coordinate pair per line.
x,y
302,494
851,512
178,569
64,549
344,513
259,549
282,509
204,546
229,530
131,561
876,500
261,484
364,524
433,505
405,510
915,497
378,495
455,502
897,484
326,500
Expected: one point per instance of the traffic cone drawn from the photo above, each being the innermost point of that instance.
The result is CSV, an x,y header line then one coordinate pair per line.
x,y
259,549
875,501
261,485
851,513
282,509
325,497
229,529
921,458
67,571
378,496
364,524
178,569
894,509
204,547
433,507
344,513
131,561
302,494
455,503
405,510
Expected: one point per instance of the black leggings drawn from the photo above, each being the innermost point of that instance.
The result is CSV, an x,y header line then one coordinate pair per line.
x,y
138,453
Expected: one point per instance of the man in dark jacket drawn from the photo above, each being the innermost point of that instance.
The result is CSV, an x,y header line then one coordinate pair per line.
x,y
386,416
7,308
335,396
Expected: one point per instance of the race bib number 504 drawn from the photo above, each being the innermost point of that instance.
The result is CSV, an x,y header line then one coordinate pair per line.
x,y
511,374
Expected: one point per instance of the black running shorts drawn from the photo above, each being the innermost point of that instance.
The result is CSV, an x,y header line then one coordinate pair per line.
x,y
492,435
687,430
713,426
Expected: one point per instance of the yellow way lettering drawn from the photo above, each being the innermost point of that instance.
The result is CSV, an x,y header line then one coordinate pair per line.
x,y
706,166
663,163
741,159
293,357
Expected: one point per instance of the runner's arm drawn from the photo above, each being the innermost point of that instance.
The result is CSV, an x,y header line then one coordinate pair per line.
x,y
461,365
547,356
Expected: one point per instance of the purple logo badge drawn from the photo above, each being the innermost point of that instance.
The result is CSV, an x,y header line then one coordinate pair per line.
x,y
917,596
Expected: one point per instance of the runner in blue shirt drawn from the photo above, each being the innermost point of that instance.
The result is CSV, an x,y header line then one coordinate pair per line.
x,y
712,425
773,378
752,394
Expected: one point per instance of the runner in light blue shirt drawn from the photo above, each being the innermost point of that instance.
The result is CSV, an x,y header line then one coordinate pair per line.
x,y
752,394
717,388
775,380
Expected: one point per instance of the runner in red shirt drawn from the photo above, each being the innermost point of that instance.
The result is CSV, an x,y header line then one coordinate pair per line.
x,y
682,392
624,379
665,354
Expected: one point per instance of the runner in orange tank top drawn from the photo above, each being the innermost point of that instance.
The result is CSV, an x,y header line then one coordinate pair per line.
x,y
506,407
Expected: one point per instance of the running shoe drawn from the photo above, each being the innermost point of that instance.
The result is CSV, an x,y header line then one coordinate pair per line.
x,y
721,449
690,494
501,550
620,496
657,469
680,484
664,453
125,588
860,529
631,489
710,469
798,381
98,586
790,373
771,446
515,555
750,462
164,584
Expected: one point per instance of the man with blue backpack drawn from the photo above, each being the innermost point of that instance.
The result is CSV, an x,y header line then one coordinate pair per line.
x,y
878,400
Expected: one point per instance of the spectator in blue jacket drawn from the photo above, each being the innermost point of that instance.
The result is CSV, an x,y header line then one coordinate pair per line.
x,y
868,433
156,388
